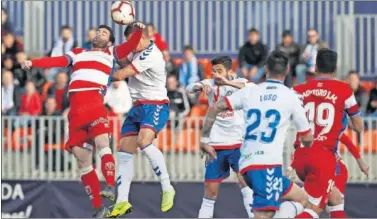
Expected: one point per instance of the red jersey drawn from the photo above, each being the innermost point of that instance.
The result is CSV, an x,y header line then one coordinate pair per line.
x,y
327,103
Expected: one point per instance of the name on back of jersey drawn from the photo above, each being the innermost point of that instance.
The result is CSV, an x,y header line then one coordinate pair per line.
x,y
321,93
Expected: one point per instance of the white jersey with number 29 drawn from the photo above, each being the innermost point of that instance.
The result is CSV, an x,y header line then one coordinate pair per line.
x,y
269,109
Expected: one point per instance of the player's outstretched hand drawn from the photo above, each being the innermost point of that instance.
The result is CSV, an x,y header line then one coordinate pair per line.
x,y
138,25
206,88
26,64
363,166
207,149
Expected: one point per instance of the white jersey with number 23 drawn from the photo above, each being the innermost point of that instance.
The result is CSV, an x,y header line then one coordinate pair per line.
x,y
269,109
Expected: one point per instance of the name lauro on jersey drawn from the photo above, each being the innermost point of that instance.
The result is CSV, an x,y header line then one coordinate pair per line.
x,y
321,93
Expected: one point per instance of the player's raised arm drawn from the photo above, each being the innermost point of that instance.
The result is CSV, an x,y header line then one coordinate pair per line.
x,y
204,85
123,50
48,62
301,122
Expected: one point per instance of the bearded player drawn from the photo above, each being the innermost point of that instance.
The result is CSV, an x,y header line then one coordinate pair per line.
x,y
226,136
145,69
327,103
88,116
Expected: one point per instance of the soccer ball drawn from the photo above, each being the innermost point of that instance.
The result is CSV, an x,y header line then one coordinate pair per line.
x,y
122,12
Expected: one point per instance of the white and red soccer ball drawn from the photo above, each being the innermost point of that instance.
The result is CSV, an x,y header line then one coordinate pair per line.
x,y
123,12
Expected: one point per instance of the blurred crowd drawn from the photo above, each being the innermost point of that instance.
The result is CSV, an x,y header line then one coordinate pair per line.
x,y
43,92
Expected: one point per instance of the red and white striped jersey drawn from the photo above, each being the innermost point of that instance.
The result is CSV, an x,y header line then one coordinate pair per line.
x,y
90,69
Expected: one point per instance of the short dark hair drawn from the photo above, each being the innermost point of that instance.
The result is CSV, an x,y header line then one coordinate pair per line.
x,y
352,72
188,47
65,27
326,61
226,61
112,38
277,62
253,30
286,33
127,32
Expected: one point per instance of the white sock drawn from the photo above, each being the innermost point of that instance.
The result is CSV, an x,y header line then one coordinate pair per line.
x,y
125,173
156,158
247,195
289,209
207,208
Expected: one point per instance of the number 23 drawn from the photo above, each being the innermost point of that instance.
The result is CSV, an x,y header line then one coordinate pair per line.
x,y
267,136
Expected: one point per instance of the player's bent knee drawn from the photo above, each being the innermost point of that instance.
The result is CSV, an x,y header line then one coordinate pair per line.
x,y
211,190
83,156
102,141
128,144
145,138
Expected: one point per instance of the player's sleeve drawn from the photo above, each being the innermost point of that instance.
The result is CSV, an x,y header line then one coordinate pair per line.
x,y
237,99
57,61
123,50
350,145
350,104
299,115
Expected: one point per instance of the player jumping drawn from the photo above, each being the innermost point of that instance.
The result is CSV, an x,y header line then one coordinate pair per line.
x,y
145,69
226,137
88,116
327,103
269,109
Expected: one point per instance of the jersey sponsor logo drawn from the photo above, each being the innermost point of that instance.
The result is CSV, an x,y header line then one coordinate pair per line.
x,y
99,121
226,114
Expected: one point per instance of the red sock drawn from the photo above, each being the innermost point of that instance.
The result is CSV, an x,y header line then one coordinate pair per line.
x,y
108,169
337,214
304,215
92,187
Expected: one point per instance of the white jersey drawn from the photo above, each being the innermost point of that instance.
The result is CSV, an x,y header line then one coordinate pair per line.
x,y
150,81
269,109
90,69
228,129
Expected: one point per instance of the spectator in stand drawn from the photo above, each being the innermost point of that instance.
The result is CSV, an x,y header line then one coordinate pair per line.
x,y
170,67
11,96
359,91
156,37
12,45
90,36
6,26
31,102
64,44
252,57
8,63
372,103
190,70
3,50
179,104
309,55
293,50
118,98
59,91
34,74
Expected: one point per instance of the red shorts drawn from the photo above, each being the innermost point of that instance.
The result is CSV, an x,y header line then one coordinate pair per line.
x,y
87,118
316,167
341,177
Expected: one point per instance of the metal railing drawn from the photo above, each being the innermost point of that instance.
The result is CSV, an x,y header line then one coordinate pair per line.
x,y
32,149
